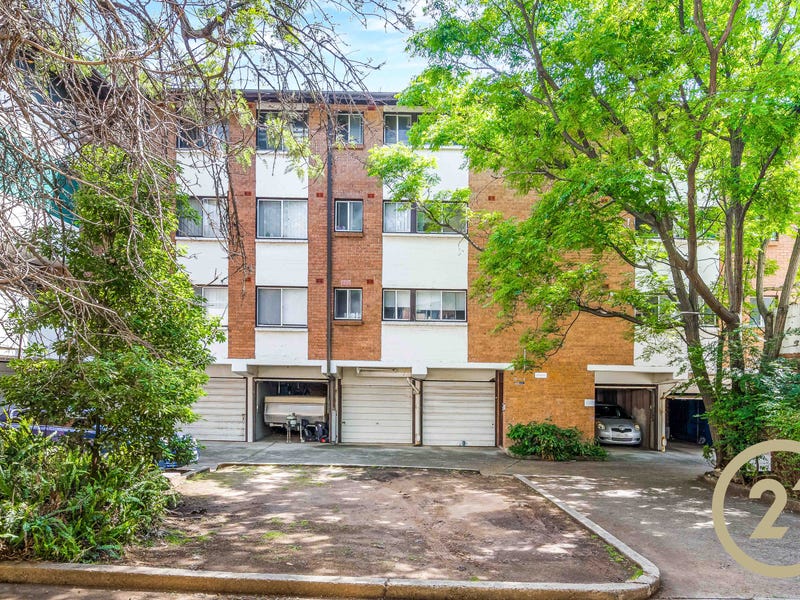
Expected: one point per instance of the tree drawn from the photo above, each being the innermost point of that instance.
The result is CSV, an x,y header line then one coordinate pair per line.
x,y
656,133
131,395
135,74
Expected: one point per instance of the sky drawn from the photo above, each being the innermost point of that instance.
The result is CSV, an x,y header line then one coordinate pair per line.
x,y
385,46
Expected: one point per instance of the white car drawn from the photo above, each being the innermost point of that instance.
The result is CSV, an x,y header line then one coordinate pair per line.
x,y
614,426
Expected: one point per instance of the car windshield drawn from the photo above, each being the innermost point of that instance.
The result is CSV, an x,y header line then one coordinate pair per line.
x,y
610,411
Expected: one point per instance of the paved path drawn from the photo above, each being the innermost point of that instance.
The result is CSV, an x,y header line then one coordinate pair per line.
x,y
651,501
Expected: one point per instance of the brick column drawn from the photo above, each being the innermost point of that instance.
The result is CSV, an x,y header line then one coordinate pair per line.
x,y
242,246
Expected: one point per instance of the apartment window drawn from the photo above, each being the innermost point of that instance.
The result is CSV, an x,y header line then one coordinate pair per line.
x,y
439,305
350,128
397,305
754,316
347,303
395,128
282,307
216,301
274,128
287,219
349,215
399,217
203,220
424,305
195,137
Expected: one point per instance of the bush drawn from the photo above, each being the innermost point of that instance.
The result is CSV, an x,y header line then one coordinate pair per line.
x,y
551,442
53,507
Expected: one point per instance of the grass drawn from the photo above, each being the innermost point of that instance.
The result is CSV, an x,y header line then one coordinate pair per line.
x,y
272,535
181,538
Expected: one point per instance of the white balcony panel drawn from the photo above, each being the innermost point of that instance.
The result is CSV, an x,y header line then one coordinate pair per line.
x,y
791,343
429,261
421,344
277,178
451,167
201,175
282,263
281,346
220,349
205,260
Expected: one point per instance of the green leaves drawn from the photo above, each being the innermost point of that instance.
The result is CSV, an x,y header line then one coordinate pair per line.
x,y
131,368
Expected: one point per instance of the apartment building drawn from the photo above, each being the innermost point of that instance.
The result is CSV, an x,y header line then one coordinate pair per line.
x,y
358,308
347,307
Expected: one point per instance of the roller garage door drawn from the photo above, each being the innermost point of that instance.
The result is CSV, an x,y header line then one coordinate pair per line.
x,y
222,411
458,413
376,410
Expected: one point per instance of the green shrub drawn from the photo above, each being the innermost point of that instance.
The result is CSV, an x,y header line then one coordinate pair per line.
x,y
53,507
551,442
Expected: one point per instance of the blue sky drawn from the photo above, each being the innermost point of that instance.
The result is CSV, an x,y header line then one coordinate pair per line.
x,y
382,45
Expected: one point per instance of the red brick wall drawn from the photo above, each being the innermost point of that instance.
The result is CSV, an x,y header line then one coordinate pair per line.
x,y
242,248
591,340
357,258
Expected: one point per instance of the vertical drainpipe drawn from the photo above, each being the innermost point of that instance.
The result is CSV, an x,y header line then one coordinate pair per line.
x,y
333,410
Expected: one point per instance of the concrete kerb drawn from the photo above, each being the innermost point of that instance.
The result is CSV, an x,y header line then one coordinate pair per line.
x,y
650,579
221,582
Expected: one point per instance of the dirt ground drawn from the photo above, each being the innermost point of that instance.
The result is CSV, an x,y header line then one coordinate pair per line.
x,y
376,522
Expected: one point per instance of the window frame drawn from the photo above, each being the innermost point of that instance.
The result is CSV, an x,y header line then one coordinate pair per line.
x,y
349,291
412,117
289,127
199,291
350,204
282,325
204,215
414,221
203,136
395,291
413,305
260,236
346,129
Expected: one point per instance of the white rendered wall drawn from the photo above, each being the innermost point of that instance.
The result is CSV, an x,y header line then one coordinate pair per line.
x,y
281,346
282,263
428,261
450,166
201,175
205,260
276,177
414,343
708,265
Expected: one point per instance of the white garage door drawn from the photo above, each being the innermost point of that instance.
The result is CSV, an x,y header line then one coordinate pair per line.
x,y
376,410
222,411
458,413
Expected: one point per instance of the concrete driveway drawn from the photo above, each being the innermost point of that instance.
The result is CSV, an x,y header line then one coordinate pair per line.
x,y
651,501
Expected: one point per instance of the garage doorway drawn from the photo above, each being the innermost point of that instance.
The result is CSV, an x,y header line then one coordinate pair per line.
x,y
640,403
277,399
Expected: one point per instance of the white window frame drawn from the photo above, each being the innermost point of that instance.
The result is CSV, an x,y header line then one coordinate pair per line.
x,y
201,291
343,130
282,323
414,215
349,226
413,305
209,228
202,136
259,234
350,314
396,127
395,292
294,125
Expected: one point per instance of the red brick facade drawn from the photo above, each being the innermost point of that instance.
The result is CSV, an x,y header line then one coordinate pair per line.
x,y
357,257
560,395
242,248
